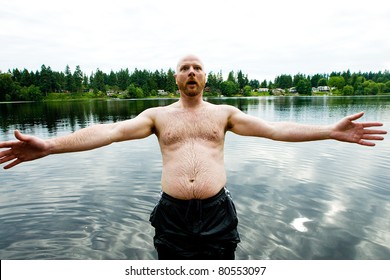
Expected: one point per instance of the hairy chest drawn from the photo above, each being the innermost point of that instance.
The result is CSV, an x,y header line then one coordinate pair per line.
x,y
175,128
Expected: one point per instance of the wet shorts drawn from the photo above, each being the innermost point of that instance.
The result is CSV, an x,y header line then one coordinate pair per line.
x,y
195,229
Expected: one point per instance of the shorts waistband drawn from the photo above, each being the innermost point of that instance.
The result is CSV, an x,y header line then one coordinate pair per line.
x,y
222,193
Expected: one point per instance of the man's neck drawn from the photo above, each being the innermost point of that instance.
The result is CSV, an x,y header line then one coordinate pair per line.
x,y
191,102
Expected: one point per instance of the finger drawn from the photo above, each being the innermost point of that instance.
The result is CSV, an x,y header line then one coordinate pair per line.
x,y
369,124
7,158
20,136
366,143
374,131
5,153
12,164
5,144
372,137
8,144
355,116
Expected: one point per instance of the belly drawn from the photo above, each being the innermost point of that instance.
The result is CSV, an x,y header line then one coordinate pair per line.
x,y
195,171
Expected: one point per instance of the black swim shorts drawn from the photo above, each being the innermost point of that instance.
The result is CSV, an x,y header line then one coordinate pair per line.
x,y
195,229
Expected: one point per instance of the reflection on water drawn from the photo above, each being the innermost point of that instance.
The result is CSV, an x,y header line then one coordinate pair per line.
x,y
316,200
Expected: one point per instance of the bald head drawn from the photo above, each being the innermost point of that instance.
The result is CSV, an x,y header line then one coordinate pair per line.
x,y
189,59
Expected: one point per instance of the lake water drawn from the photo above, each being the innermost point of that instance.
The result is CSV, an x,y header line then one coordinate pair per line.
x,y
314,200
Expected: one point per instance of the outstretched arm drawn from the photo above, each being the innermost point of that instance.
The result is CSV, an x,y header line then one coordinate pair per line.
x,y
346,129
27,148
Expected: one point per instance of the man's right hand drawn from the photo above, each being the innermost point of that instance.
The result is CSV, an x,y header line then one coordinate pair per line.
x,y
25,148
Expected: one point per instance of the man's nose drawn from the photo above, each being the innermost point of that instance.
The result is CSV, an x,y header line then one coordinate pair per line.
x,y
191,71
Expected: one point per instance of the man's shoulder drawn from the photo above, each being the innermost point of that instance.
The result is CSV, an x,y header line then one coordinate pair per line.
x,y
157,109
228,109
219,106
159,112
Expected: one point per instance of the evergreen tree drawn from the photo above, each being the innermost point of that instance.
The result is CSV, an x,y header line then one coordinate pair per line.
x,y
213,82
78,79
69,80
298,77
242,79
283,81
254,84
45,79
231,77
26,79
7,87
98,81
123,77
171,81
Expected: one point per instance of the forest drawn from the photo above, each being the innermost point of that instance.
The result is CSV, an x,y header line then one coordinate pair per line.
x,y
46,84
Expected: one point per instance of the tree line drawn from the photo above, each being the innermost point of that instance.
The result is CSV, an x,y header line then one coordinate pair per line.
x,y
339,83
24,85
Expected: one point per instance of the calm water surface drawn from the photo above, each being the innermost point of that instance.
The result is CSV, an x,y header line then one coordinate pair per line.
x,y
315,200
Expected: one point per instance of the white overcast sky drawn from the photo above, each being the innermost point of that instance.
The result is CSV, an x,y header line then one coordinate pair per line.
x,y
262,38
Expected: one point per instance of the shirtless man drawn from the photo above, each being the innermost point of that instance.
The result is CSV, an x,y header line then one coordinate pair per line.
x,y
195,217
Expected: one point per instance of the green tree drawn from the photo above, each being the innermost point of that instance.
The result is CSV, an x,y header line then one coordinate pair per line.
x,y
348,90
370,88
45,76
98,81
387,87
322,82
381,87
231,77
254,84
7,87
283,81
134,91
337,82
315,80
69,81
229,88
112,80
247,90
242,79
123,77
26,79
297,78
152,85
358,84
78,79
304,87
31,93
16,75
347,76
171,81
85,82
213,83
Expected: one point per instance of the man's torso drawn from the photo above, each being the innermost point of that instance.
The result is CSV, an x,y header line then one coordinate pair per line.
x,y
192,143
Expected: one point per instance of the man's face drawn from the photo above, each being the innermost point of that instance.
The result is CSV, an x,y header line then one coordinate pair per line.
x,y
190,76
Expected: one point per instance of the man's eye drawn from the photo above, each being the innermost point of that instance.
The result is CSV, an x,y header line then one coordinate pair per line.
x,y
184,68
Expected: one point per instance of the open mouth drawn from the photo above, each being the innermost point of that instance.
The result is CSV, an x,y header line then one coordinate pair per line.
x,y
192,83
